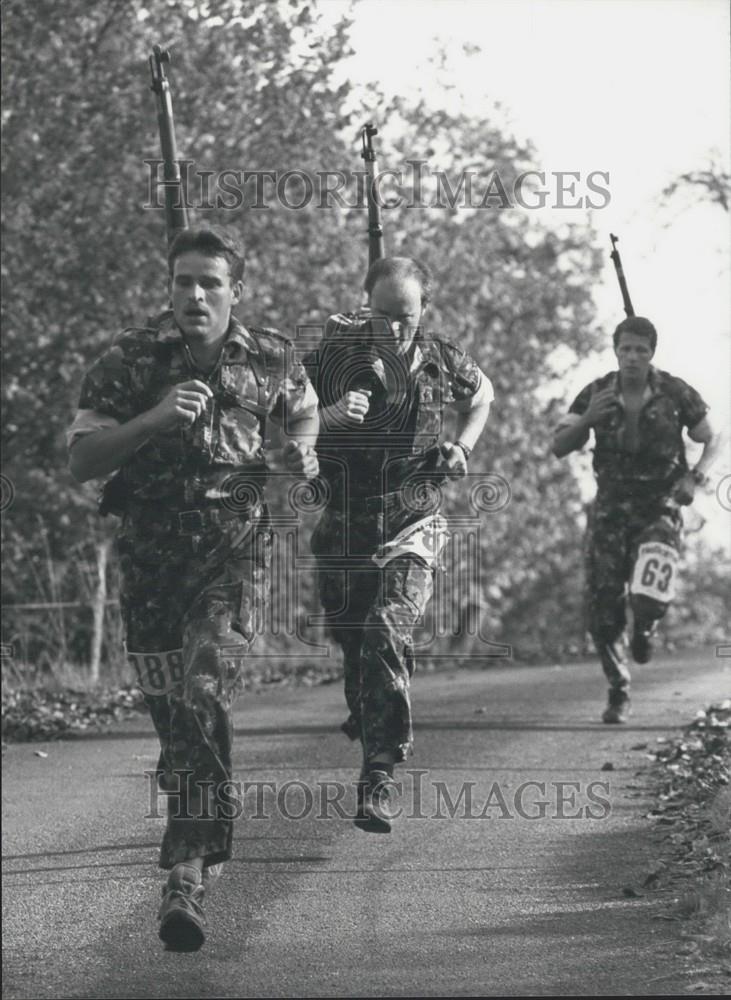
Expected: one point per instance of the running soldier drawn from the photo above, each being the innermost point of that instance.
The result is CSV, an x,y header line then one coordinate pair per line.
x,y
178,410
383,387
637,414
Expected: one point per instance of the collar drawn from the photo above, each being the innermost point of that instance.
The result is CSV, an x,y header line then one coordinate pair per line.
x,y
427,355
238,343
416,358
652,386
416,363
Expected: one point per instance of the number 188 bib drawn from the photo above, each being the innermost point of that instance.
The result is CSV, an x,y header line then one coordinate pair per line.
x,y
157,673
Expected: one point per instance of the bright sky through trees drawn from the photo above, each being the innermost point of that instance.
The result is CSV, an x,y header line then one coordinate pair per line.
x,y
636,88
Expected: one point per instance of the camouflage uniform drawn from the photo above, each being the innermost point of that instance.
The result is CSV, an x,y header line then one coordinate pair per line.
x,y
193,546
633,511
380,535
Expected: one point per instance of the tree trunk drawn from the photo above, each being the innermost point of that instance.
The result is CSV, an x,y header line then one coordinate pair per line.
x,y
100,600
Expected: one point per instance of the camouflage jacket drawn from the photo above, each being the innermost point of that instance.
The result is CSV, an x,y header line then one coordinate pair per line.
x,y
256,377
670,405
399,433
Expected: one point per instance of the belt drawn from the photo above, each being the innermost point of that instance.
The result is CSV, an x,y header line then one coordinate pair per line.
x,y
385,503
377,504
640,492
187,522
396,502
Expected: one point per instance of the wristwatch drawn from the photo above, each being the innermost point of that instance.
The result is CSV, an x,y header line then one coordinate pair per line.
x,y
699,477
465,448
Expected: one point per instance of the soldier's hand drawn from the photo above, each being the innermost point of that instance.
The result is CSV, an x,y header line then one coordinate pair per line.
x,y
684,491
452,460
353,407
600,406
182,406
300,459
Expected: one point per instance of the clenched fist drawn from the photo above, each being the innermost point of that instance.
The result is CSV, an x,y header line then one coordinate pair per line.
x,y
600,406
684,492
182,406
300,459
353,407
452,460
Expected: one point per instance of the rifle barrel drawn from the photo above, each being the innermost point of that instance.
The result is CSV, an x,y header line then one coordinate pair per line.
x,y
176,212
617,261
375,228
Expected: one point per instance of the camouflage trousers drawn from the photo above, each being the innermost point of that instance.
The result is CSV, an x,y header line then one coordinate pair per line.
x,y
191,604
372,613
618,532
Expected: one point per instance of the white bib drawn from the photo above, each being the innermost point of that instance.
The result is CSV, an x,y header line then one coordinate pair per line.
x,y
655,571
425,538
157,673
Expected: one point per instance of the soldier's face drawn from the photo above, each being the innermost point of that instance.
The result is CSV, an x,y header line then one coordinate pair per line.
x,y
203,294
634,354
398,302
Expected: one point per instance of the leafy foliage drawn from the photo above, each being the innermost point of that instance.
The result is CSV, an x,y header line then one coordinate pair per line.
x,y
37,714
693,813
83,258
712,184
254,89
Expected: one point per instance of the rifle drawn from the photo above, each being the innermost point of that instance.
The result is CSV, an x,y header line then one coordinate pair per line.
x,y
375,229
114,494
176,214
620,276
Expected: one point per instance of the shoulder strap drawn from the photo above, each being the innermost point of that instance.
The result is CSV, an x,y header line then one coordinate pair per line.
x,y
258,363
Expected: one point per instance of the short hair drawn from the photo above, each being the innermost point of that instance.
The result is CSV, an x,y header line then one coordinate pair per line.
x,y
638,325
400,269
211,241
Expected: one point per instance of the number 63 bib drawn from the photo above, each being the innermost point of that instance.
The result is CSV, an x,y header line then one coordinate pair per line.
x,y
655,571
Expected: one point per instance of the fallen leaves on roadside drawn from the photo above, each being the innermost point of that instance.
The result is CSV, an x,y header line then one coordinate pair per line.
x,y
692,811
631,893
653,876
38,714
35,714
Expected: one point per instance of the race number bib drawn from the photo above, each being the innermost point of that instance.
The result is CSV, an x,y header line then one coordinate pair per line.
x,y
157,673
655,571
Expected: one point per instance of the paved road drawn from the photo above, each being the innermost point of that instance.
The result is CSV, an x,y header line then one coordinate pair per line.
x,y
496,904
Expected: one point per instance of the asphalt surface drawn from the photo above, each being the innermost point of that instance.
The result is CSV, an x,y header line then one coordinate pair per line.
x,y
520,892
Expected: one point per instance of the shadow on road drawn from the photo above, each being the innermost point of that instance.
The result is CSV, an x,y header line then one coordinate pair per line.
x,y
498,725
599,900
145,863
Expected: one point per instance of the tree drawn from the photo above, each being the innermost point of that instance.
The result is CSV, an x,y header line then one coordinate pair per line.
x,y
712,184
510,292
83,257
